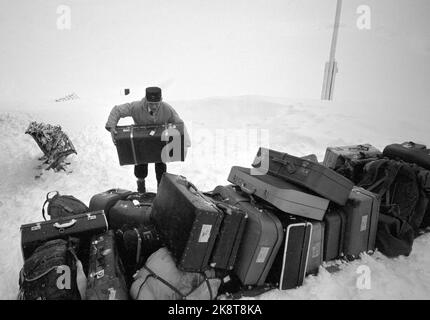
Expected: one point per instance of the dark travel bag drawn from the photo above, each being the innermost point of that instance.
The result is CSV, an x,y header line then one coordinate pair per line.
x,y
106,276
262,238
187,221
106,200
134,210
149,144
289,268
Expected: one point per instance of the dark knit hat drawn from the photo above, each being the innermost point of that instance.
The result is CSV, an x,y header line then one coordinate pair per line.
x,y
153,94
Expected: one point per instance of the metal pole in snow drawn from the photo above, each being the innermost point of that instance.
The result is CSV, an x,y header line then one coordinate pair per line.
x,y
331,66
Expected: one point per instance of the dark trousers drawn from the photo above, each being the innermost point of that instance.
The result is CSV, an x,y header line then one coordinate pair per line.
x,y
141,170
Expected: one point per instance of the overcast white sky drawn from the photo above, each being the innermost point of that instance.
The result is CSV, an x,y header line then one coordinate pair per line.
x,y
201,48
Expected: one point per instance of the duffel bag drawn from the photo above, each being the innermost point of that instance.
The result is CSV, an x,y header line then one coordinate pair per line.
x,y
160,279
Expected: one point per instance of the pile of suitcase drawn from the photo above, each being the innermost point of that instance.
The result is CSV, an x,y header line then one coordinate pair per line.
x,y
276,223
297,212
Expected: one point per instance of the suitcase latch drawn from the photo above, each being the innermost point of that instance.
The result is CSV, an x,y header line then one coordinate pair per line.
x,y
36,227
91,217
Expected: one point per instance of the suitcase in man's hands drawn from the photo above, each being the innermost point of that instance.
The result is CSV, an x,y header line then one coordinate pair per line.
x,y
150,144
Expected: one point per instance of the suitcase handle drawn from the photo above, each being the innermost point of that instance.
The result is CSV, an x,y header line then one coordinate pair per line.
x,y
65,225
228,210
247,190
291,168
359,147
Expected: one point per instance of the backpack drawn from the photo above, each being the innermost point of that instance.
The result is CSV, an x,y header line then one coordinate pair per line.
x,y
53,272
160,279
397,184
403,204
60,206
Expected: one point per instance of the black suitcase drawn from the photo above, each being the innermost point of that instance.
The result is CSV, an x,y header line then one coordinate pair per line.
x,y
362,214
135,245
335,222
229,236
149,144
408,153
261,240
82,226
106,277
313,176
106,200
187,221
134,210
289,268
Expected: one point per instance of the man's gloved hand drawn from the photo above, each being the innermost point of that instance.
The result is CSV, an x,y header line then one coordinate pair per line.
x,y
113,133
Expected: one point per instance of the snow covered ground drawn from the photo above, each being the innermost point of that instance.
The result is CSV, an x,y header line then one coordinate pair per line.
x,y
224,132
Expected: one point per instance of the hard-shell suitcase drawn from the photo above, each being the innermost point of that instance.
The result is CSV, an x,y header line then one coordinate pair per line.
x,y
283,195
313,176
262,238
133,210
335,156
408,153
315,257
106,276
335,223
289,268
229,237
188,222
150,144
362,214
106,200
81,226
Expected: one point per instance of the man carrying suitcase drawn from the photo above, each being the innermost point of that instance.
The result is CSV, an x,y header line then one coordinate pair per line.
x,y
151,110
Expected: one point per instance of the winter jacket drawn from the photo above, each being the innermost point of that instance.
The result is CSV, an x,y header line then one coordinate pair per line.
x,y
138,110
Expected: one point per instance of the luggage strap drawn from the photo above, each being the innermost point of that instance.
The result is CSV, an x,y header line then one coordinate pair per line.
x,y
182,180
24,278
183,297
48,200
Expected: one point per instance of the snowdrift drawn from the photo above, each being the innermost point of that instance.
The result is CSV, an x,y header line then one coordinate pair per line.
x,y
224,132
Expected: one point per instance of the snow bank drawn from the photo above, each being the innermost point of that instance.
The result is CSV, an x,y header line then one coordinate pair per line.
x,y
224,132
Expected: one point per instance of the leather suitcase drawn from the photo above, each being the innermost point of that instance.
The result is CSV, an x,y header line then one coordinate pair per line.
x,y
408,153
283,195
187,221
106,277
81,226
147,144
262,238
289,268
362,214
133,211
229,237
315,257
106,200
335,224
313,176
335,156
135,245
